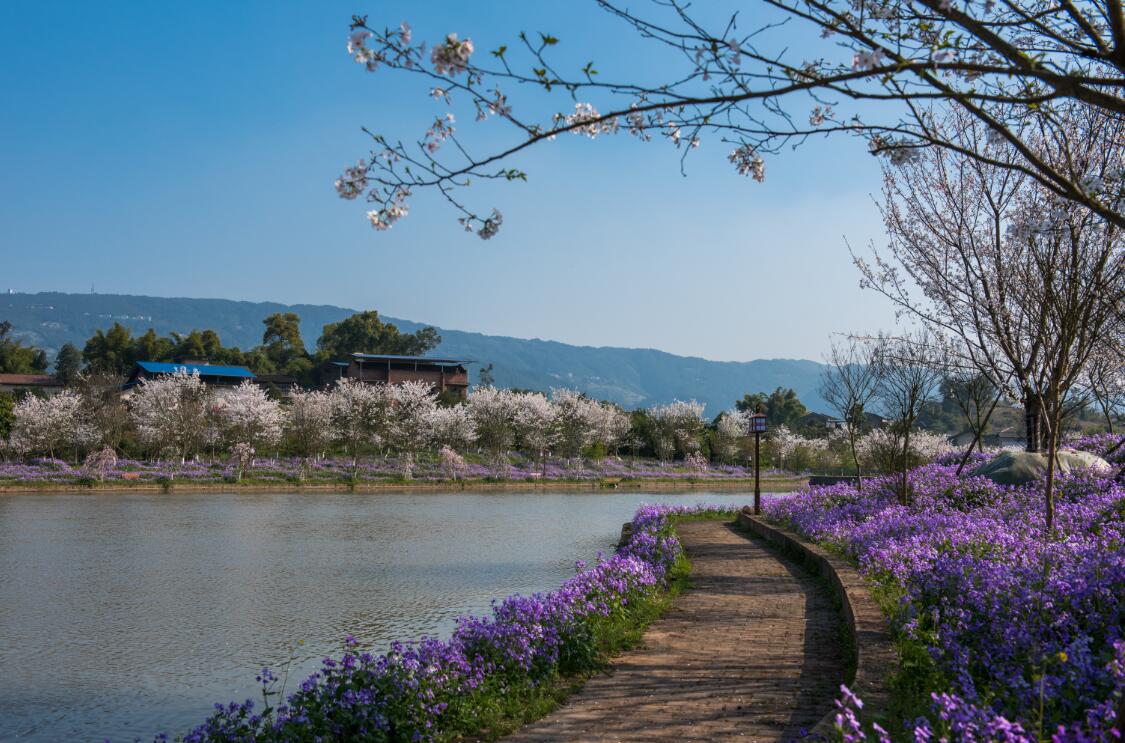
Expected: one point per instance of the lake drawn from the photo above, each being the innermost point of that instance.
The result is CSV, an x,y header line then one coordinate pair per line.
x,y
127,614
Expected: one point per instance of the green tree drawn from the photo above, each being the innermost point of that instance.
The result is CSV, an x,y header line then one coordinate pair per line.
x,y
111,351
282,339
752,403
197,346
7,414
152,347
364,332
782,406
15,358
417,344
68,363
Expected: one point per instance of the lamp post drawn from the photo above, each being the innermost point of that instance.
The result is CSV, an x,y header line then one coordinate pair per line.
x,y
758,427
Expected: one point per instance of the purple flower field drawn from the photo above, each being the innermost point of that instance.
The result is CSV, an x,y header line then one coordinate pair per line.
x,y
1023,628
435,689
292,470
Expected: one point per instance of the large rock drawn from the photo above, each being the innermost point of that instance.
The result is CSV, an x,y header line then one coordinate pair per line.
x,y
1019,467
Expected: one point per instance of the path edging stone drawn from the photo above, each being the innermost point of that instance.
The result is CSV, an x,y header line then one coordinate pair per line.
x,y
874,658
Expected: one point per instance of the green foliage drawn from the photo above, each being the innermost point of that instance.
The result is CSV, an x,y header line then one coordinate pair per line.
x,y
16,358
112,350
68,363
7,414
782,406
642,430
282,341
364,332
117,351
917,676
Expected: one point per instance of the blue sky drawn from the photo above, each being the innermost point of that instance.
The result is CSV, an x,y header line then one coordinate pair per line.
x,y
189,149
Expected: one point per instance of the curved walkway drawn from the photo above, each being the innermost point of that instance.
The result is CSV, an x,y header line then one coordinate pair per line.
x,y
751,650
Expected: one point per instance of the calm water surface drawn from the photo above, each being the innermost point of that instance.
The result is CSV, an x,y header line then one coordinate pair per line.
x,y
122,615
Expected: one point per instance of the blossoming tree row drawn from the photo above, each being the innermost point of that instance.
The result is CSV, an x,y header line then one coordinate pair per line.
x,y
178,417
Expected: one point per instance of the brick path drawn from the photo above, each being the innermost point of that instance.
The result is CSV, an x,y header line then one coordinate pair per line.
x,y
750,650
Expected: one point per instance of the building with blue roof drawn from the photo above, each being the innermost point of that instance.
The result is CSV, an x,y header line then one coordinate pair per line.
x,y
209,374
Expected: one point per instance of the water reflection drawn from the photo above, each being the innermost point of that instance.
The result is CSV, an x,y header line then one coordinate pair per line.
x,y
125,614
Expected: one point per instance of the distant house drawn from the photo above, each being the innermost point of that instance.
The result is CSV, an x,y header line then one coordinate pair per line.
x,y
444,375
1004,438
18,384
820,421
209,374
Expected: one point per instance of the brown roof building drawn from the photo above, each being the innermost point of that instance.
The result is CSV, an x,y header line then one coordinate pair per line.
x,y
21,383
445,375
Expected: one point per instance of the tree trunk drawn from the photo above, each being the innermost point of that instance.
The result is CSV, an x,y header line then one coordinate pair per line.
x,y
1033,414
1049,490
905,465
855,458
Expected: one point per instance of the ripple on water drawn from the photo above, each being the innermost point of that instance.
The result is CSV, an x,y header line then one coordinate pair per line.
x,y
125,614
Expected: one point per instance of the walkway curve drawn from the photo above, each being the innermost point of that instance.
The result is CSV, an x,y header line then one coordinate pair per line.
x,y
751,650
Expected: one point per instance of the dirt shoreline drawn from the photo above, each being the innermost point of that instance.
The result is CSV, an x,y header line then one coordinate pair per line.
x,y
768,485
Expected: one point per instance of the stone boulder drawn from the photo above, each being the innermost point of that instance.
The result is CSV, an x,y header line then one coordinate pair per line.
x,y
1019,467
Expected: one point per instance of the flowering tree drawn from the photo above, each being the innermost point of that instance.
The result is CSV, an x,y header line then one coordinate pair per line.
x,y
170,413
452,427
105,410
99,462
577,418
535,420
677,426
359,413
51,424
881,449
784,443
492,411
849,383
872,68
910,374
452,463
612,426
309,423
733,426
1027,283
696,462
249,416
412,405
1105,380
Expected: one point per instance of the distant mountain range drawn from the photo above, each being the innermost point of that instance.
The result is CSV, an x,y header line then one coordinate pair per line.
x,y
632,377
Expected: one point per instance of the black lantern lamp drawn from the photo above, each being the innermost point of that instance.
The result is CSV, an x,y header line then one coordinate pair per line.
x,y
757,427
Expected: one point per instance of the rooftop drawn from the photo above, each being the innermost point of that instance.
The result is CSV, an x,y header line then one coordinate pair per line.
x,y
43,380
204,370
409,359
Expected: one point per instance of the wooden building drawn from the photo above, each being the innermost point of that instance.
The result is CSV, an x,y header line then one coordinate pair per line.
x,y
445,375
20,384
